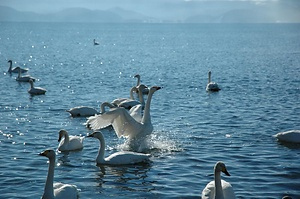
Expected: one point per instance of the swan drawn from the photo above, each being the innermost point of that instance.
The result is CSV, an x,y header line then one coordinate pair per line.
x,y
218,189
15,69
118,158
82,111
292,136
24,78
69,143
56,190
85,111
36,90
212,86
146,89
131,102
95,43
123,123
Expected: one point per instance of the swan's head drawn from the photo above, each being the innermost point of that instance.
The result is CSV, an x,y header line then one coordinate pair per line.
x,y
209,72
96,134
61,134
137,76
155,88
31,81
220,167
141,87
48,153
9,61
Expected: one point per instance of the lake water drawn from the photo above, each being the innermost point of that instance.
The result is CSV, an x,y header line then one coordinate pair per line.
x,y
256,65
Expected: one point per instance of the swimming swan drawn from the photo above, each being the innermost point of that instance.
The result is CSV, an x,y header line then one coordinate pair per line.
x,y
212,86
146,89
131,102
95,43
69,143
118,158
85,111
123,123
82,111
24,78
56,190
292,136
15,69
218,189
36,90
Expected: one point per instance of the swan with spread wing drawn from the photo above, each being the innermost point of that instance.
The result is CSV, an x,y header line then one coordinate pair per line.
x,y
123,123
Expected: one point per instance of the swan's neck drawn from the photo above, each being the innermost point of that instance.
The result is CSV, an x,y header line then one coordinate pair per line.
x,y
209,77
49,191
141,97
31,84
131,92
138,80
10,66
101,152
218,186
67,138
146,116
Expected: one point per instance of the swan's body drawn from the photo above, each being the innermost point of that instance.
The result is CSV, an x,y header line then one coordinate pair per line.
x,y
25,78
218,189
82,111
85,111
292,136
118,158
123,123
56,190
15,69
212,86
128,103
138,83
95,43
69,143
36,90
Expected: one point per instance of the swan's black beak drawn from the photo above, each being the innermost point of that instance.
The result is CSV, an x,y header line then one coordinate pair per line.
x,y
90,135
226,172
43,153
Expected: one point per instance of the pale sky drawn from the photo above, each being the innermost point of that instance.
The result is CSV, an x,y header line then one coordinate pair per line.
x,y
165,9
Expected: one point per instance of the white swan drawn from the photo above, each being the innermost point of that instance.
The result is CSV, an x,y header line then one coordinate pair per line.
x,y
24,78
146,89
69,143
212,86
95,43
15,69
118,158
128,103
123,123
56,190
85,111
292,136
218,189
36,90
82,111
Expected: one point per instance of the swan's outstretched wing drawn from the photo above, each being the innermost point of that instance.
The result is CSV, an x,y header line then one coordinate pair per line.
x,y
123,124
136,112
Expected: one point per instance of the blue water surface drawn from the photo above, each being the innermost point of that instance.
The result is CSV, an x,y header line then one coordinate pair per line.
x,y
256,65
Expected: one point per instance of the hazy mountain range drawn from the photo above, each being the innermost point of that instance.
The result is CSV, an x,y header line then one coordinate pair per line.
x,y
119,15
